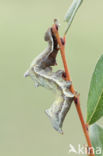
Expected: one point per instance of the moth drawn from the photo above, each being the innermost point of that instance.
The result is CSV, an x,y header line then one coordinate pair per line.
x,y
41,73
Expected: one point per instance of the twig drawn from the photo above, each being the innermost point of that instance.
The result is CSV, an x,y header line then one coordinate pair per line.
x,y
76,99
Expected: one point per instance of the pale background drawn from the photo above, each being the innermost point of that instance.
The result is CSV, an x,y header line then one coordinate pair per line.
x,y
24,127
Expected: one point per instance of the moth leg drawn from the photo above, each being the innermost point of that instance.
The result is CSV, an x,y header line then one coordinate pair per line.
x,y
76,94
58,74
36,84
67,84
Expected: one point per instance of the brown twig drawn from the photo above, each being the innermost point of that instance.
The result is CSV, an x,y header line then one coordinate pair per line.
x,y
76,99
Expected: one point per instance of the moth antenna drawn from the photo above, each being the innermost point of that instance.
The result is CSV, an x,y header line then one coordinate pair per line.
x,y
36,84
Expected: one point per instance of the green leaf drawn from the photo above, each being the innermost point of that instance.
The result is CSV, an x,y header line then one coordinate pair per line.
x,y
96,136
95,96
71,12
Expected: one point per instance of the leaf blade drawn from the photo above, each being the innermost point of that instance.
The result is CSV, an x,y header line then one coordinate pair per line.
x,y
96,136
95,96
71,12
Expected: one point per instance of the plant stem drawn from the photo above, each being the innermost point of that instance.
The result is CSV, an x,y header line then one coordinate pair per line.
x,y
76,99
